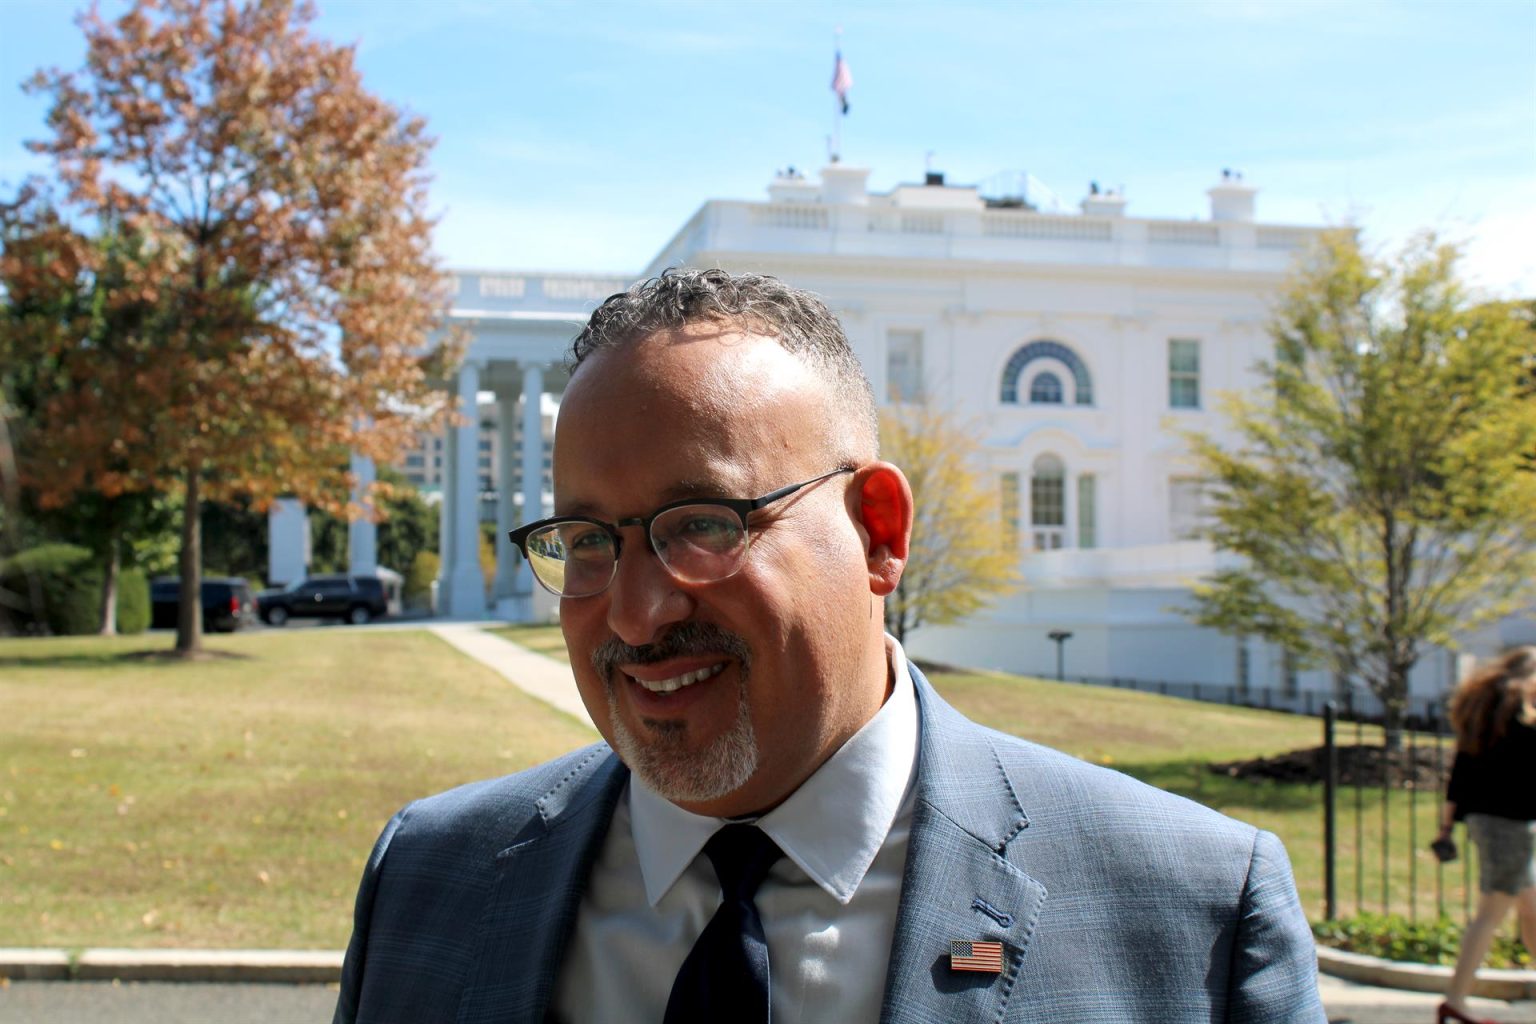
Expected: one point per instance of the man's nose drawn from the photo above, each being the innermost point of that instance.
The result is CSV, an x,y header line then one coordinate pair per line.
x,y
644,598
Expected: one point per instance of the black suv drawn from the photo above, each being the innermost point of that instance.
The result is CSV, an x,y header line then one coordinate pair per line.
x,y
228,603
356,599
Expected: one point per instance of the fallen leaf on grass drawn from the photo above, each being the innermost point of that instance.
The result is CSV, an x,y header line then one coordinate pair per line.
x,y
78,752
263,878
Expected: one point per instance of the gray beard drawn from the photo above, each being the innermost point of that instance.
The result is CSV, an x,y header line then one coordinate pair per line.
x,y
664,762
662,758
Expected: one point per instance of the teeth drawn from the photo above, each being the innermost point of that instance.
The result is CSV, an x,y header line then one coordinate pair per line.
x,y
678,682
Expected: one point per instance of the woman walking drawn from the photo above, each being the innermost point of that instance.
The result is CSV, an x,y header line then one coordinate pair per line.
x,y
1493,788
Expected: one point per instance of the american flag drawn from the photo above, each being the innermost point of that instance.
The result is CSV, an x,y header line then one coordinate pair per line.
x,y
842,80
976,956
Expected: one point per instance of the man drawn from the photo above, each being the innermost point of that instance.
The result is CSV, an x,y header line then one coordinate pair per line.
x,y
724,537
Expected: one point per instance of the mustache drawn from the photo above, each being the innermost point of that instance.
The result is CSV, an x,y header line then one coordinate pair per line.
x,y
684,639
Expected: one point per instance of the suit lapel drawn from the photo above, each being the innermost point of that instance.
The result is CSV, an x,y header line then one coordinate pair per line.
x,y
537,886
958,884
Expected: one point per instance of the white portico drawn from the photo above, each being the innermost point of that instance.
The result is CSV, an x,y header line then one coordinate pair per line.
x,y
519,329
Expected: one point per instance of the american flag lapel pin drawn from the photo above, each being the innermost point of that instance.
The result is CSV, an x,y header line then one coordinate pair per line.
x,y
986,957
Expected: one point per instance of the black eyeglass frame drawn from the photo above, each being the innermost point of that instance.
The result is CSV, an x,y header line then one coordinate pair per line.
x,y
743,507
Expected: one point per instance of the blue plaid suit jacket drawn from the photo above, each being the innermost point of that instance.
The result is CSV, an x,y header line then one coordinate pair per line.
x,y
1113,901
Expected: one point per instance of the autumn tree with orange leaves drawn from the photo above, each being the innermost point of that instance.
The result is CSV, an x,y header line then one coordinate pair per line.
x,y
246,226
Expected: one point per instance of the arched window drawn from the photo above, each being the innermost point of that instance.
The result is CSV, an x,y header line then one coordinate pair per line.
x,y
1013,372
1045,389
1048,503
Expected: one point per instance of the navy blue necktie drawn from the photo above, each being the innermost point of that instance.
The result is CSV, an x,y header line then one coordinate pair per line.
x,y
725,977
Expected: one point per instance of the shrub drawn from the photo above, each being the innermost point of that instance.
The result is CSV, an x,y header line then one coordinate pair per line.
x,y
132,601
58,587
417,588
1431,941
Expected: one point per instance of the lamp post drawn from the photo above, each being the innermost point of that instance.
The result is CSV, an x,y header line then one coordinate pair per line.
x,y
1060,636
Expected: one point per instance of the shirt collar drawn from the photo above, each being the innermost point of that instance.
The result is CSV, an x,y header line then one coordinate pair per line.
x,y
832,826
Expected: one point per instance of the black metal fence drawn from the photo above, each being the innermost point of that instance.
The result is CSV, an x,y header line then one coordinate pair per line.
x,y
1381,809
1352,704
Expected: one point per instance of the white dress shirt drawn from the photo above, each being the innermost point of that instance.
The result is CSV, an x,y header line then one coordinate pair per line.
x,y
828,906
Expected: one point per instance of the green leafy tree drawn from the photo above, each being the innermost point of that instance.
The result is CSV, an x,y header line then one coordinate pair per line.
x,y
71,475
960,558
1380,491
285,270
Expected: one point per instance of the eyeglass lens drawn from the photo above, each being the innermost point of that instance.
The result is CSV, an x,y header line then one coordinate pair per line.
x,y
697,543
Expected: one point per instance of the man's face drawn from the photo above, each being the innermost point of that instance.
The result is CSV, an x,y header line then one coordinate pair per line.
x,y
782,662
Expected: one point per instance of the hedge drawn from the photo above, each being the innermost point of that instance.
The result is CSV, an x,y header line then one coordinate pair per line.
x,y
65,583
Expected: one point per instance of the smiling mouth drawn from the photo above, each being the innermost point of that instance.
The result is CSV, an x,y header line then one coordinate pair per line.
x,y
675,683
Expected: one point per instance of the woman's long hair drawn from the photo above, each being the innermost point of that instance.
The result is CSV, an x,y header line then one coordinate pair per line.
x,y
1488,700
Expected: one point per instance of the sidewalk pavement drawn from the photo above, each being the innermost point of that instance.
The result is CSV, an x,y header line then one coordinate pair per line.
x,y
1347,1002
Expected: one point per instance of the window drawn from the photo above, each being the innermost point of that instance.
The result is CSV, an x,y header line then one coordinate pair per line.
x,y
1087,513
485,445
1009,483
904,366
1183,373
415,460
1244,665
1045,389
1013,373
1289,684
1047,503
1186,507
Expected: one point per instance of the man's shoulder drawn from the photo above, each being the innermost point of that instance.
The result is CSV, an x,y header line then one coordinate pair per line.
x,y
1057,791
500,809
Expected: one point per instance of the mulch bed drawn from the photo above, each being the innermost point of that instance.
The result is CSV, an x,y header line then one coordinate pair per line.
x,y
1357,764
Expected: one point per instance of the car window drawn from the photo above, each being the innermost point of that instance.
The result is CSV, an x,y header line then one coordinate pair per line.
x,y
333,587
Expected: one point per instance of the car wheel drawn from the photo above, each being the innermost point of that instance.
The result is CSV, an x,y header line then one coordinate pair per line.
x,y
277,616
359,615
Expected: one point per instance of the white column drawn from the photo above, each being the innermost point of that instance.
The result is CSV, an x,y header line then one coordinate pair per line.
x,y
533,461
533,444
445,522
363,534
506,512
465,584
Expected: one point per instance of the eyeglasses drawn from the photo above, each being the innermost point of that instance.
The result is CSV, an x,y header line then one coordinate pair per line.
x,y
698,541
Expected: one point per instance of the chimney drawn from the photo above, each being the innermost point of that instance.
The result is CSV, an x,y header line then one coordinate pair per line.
x,y
841,184
1102,202
1231,199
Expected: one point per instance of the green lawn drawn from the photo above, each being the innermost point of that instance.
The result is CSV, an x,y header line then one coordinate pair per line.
x,y
543,639
232,801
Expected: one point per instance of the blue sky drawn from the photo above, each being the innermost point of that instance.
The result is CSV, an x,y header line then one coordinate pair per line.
x,y
581,135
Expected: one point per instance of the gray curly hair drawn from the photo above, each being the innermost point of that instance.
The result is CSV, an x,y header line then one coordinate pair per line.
x,y
797,319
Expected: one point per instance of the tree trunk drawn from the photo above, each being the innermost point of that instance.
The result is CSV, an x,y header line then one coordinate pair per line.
x,y
1394,703
189,619
109,575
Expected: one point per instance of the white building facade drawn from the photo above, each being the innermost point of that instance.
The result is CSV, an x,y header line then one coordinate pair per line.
x,y
1081,345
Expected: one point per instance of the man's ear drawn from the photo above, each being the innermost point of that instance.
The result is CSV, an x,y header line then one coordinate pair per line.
x,y
885,513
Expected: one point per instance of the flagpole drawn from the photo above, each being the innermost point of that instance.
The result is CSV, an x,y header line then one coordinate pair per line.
x,y
837,101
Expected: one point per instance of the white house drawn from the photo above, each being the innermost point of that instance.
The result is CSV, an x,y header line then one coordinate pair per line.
x,y
1083,344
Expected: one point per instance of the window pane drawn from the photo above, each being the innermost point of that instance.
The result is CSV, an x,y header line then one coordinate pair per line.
x,y
1183,373
1087,513
1045,389
1047,501
1009,485
1185,507
904,366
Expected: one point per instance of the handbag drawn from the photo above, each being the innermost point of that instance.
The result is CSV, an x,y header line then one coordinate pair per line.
x,y
1444,849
